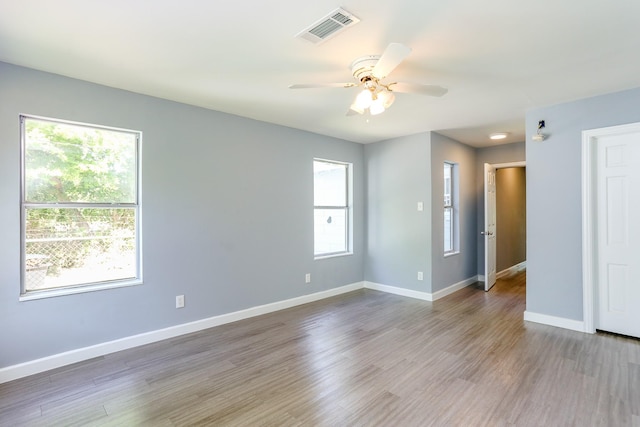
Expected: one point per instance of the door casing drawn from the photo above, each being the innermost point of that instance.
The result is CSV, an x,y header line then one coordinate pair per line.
x,y
589,219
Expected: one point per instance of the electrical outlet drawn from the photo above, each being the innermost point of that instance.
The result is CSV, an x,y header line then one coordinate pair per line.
x,y
420,275
180,301
307,278
420,206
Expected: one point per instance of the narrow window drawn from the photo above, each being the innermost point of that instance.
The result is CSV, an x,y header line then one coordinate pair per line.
x,y
80,203
332,208
450,209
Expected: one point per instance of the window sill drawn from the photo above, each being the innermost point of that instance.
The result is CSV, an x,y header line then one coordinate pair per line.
x,y
52,293
341,254
448,254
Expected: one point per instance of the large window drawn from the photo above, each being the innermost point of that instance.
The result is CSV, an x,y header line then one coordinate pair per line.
x,y
80,207
332,213
450,209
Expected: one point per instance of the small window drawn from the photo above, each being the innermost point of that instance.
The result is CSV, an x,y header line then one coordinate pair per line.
x,y
332,208
450,209
80,207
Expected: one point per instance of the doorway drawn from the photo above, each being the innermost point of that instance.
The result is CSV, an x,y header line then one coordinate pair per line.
x,y
492,230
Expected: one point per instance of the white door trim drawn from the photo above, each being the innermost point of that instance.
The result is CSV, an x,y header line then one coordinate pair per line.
x,y
589,200
510,165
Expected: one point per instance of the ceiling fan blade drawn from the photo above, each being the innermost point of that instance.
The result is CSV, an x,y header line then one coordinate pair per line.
x,y
392,56
321,85
431,90
352,112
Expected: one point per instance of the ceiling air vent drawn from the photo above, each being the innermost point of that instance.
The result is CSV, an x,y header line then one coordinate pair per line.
x,y
329,26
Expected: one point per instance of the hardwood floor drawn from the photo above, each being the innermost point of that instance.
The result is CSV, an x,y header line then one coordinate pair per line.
x,y
363,358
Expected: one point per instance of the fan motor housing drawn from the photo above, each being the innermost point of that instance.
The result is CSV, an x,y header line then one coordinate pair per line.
x,y
363,66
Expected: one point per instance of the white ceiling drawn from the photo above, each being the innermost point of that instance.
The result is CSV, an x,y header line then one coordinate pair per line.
x,y
498,58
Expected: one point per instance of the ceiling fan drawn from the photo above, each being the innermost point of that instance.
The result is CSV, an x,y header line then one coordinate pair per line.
x,y
369,72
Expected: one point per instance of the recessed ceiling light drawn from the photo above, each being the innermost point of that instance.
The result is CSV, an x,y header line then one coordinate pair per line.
x,y
498,135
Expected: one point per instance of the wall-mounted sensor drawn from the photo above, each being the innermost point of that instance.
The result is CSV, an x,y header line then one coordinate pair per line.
x,y
539,136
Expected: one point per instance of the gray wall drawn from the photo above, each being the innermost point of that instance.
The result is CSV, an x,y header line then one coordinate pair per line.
x,y
554,202
398,236
227,211
511,217
454,268
402,241
506,153
220,192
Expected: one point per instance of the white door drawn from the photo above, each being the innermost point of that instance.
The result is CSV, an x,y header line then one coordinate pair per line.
x,y
618,234
489,226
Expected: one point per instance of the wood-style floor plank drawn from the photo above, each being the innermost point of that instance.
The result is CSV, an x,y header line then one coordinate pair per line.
x,y
360,359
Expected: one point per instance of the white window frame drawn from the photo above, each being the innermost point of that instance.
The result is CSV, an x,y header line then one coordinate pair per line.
x,y
450,205
25,294
347,207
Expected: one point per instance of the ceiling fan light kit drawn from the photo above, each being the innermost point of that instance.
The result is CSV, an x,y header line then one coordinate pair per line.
x,y
387,98
369,71
364,99
375,98
376,107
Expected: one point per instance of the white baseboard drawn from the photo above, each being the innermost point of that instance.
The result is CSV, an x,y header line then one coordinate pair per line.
x,y
426,296
559,322
455,287
481,277
32,367
399,291
512,270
